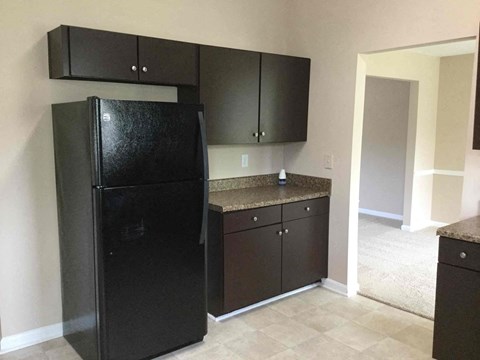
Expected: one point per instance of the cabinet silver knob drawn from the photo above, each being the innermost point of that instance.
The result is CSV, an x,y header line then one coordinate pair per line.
x,y
463,255
255,218
262,133
285,231
255,134
307,208
279,233
134,68
144,69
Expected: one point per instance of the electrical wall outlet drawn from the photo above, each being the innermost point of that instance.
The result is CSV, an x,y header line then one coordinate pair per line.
x,y
328,161
244,160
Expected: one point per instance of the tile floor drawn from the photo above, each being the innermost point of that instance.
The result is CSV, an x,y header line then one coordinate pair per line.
x,y
316,324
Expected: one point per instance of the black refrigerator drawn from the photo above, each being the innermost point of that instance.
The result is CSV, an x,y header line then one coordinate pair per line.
x,y
132,194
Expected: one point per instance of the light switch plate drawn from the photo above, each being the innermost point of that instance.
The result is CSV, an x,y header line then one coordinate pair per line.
x,y
328,161
244,160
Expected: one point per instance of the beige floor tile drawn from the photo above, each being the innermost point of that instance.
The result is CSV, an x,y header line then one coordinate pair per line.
x,y
366,302
391,349
346,308
166,357
255,346
290,333
227,330
291,306
383,323
322,347
29,353
318,296
355,336
219,352
286,355
320,320
262,317
417,337
62,353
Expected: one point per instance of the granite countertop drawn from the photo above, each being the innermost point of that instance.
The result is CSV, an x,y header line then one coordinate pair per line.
x,y
262,191
467,230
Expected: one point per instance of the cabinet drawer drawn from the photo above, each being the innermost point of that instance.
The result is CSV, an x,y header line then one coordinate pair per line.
x,y
459,253
249,219
305,208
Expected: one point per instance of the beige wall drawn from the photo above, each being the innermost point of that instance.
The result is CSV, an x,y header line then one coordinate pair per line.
x,y
424,70
384,145
333,33
454,95
29,259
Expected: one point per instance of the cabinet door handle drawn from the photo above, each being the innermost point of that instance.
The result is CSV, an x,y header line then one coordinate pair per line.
x,y
463,255
279,233
255,134
307,208
285,231
144,69
134,68
262,133
255,219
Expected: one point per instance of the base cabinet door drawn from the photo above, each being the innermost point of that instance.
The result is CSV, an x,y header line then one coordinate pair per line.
x,y
457,319
304,252
252,266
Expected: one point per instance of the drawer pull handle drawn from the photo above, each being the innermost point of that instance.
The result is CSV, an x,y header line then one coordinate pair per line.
x,y
463,255
307,208
285,231
255,219
279,233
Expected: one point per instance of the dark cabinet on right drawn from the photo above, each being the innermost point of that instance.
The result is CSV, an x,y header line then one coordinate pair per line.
x,y
253,97
457,316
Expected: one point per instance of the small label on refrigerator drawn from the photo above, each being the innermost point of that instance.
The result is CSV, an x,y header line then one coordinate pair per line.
x,y
106,117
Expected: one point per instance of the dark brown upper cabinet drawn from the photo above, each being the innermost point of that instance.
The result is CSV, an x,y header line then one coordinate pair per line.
x,y
284,98
476,127
229,88
87,54
251,97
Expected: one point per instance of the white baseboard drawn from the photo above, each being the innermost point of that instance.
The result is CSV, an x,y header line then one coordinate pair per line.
x,y
30,337
340,288
262,303
423,226
380,214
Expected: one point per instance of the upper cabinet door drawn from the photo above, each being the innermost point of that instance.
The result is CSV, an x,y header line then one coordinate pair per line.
x,y
167,62
103,55
284,98
476,128
229,88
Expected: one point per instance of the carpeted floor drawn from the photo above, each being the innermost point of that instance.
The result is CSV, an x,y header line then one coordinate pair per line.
x,y
397,267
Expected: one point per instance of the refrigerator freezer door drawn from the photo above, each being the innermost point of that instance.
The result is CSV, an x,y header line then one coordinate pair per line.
x,y
152,268
140,142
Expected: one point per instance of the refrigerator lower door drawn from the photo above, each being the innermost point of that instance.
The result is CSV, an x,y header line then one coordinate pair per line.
x,y
151,269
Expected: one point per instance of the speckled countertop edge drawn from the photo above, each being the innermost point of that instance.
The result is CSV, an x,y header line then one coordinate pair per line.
x,y
258,191
467,230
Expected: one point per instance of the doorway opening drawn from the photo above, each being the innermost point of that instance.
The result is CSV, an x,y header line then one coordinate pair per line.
x,y
416,105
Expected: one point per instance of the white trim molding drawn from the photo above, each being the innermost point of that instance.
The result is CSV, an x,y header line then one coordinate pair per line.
x,y
382,214
30,337
262,303
439,172
340,288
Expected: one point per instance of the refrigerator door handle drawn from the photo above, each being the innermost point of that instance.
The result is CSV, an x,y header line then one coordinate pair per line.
x,y
203,139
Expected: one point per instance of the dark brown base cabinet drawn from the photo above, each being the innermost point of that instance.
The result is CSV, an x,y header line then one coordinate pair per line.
x,y
257,254
457,315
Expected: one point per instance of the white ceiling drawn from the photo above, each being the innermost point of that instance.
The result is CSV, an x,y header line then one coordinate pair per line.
x,y
447,49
